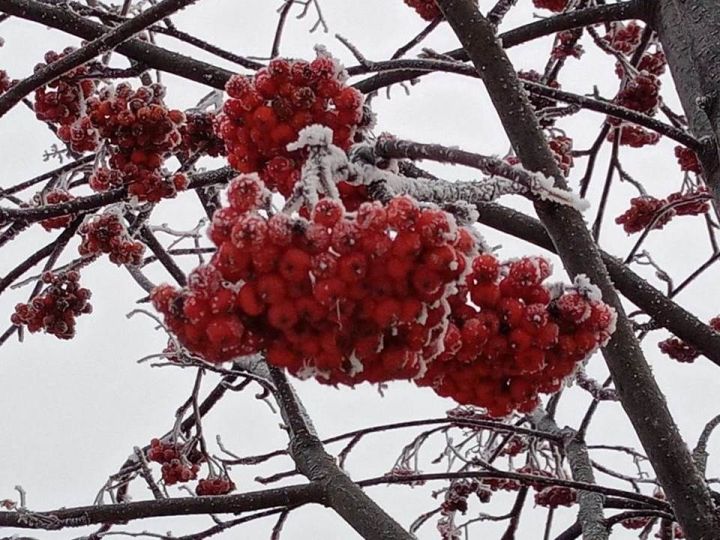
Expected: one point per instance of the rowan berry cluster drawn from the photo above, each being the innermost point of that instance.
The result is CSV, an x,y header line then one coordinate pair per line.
x,y
265,113
54,196
456,496
653,63
523,340
55,309
644,211
107,234
214,486
554,496
678,350
566,45
381,294
141,132
427,9
696,202
633,135
687,159
199,137
641,93
345,297
553,5
62,102
561,148
636,522
624,38
176,467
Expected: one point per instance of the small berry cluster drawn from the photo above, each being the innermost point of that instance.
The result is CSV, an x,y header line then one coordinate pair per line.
x,y
62,102
142,131
54,196
55,309
456,496
642,212
653,63
624,38
561,148
175,465
641,93
266,112
214,486
566,45
199,137
554,496
646,210
525,339
427,9
107,234
633,135
678,350
636,522
553,5
688,160
696,202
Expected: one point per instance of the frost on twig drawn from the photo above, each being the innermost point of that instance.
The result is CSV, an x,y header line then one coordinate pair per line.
x,y
323,167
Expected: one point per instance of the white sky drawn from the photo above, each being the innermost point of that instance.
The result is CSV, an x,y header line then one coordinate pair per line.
x,y
72,411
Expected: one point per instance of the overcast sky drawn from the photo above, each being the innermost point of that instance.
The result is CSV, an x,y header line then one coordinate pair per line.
x,y
72,411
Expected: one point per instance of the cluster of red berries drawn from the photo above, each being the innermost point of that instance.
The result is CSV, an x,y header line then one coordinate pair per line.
x,y
554,496
633,135
142,132
636,522
561,148
199,137
55,309
624,38
566,45
214,486
525,338
688,160
648,210
691,203
456,496
553,5
378,295
641,93
62,102
175,465
54,196
107,234
427,9
5,81
348,298
642,212
653,63
265,113
678,350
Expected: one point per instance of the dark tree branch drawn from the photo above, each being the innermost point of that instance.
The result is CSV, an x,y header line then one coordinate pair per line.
x,y
342,494
119,513
640,396
87,52
141,51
